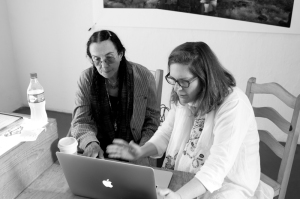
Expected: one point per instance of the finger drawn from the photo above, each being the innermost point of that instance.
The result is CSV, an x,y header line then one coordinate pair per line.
x,y
113,152
86,153
112,148
113,156
163,192
120,142
121,149
94,154
95,151
101,156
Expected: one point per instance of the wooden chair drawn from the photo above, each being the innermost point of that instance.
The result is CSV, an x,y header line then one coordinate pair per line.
x,y
158,75
286,153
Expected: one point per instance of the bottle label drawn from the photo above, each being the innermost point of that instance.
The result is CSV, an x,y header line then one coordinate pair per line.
x,y
36,98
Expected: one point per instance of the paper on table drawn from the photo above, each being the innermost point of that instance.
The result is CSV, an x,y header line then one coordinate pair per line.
x,y
6,119
30,132
7,143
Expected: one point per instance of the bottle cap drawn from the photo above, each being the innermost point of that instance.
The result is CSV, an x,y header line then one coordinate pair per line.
x,y
33,75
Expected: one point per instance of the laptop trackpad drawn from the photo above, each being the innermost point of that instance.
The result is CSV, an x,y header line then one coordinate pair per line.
x,y
162,178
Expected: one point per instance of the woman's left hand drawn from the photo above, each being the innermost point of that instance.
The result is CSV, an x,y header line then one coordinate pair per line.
x,y
167,194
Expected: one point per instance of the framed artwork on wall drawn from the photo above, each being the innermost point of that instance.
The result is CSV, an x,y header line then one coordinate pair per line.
x,y
269,16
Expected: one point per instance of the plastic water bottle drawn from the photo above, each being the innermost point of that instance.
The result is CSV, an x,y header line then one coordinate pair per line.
x,y
36,100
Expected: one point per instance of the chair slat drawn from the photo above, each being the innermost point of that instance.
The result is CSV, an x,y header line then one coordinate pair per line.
x,y
292,129
271,142
275,185
158,76
277,90
274,116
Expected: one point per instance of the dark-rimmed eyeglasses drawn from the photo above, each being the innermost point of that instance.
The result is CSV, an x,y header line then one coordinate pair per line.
x,y
109,59
181,82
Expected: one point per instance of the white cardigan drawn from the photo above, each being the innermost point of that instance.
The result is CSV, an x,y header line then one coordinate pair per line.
x,y
221,148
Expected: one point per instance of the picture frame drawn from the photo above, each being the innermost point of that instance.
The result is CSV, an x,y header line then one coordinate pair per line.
x,y
156,18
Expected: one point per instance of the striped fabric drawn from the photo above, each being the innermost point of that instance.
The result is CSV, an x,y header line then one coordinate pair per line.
x,y
146,113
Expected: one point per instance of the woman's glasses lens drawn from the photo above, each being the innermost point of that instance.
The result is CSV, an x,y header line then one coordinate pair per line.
x,y
171,80
107,60
181,83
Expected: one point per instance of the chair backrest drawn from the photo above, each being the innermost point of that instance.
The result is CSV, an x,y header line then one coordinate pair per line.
x,y
287,152
158,75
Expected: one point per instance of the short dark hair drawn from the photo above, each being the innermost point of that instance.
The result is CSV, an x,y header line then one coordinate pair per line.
x,y
103,35
216,82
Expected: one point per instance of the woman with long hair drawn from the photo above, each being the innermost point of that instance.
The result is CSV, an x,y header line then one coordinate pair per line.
x,y
210,131
116,98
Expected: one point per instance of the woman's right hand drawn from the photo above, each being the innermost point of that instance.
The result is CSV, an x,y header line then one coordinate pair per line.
x,y
93,150
124,150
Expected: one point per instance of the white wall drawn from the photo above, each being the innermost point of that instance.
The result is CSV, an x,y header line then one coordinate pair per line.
x,y
268,57
49,38
9,83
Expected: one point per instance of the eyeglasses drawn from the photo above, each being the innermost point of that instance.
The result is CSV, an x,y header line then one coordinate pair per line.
x,y
182,83
109,59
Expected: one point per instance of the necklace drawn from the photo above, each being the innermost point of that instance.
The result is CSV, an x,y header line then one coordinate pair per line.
x,y
111,109
112,85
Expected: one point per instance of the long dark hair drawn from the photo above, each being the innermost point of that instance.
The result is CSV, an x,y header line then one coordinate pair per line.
x,y
103,35
215,81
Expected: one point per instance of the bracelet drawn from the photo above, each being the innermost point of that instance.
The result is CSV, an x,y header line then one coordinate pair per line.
x,y
91,143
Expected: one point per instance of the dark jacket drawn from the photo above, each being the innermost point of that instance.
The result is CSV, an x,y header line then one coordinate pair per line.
x,y
145,116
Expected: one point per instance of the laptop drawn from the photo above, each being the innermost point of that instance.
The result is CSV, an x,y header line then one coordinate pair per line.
x,y
109,179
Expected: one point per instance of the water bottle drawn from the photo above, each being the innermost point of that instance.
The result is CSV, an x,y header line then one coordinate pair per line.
x,y
36,100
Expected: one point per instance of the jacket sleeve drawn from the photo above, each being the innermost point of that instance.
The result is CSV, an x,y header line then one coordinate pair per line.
x,y
83,127
152,115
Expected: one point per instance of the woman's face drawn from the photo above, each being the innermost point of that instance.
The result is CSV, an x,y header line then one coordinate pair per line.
x,y
181,73
106,58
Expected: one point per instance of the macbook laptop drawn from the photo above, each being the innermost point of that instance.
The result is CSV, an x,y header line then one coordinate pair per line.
x,y
99,178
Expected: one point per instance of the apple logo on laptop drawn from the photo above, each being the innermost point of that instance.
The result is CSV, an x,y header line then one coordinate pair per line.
x,y
107,183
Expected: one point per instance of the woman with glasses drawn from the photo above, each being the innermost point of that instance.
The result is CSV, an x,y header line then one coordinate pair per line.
x,y
210,131
115,98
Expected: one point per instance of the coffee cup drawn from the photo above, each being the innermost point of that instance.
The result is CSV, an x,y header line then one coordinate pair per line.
x,y
68,145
